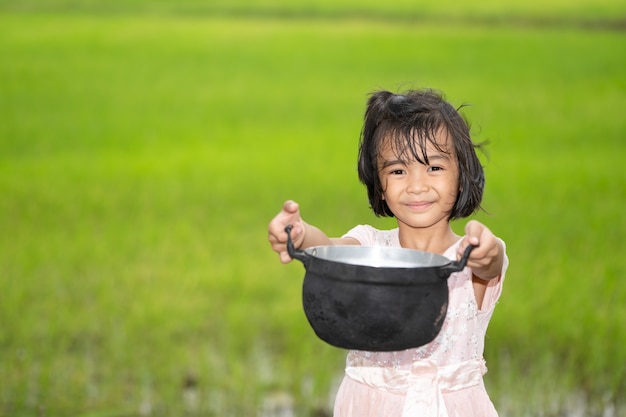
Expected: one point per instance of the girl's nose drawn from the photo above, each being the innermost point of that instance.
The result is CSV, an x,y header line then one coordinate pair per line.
x,y
416,184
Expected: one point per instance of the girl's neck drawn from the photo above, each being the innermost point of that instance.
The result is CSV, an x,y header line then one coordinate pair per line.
x,y
428,240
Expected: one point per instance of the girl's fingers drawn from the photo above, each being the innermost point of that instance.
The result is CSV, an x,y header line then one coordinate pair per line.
x,y
290,207
284,257
277,235
473,232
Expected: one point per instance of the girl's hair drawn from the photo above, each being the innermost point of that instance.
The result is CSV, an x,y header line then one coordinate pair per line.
x,y
410,121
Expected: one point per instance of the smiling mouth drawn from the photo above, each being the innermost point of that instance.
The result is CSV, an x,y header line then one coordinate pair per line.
x,y
419,205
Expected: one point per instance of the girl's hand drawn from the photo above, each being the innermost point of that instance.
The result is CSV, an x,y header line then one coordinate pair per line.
x,y
290,214
485,260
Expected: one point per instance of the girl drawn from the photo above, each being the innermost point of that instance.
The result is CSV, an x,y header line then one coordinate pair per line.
x,y
419,165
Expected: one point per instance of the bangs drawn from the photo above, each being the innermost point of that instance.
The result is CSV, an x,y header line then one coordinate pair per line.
x,y
410,144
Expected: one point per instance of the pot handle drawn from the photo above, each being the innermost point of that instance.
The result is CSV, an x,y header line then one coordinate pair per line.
x,y
291,249
456,266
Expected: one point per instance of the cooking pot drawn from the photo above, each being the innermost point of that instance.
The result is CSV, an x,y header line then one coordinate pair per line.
x,y
375,298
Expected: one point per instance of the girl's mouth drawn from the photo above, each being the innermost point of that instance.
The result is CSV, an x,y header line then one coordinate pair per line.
x,y
419,205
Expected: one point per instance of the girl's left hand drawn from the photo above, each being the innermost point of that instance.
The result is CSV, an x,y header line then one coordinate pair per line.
x,y
487,258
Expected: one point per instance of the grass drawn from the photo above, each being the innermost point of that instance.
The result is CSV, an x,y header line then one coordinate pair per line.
x,y
576,12
141,158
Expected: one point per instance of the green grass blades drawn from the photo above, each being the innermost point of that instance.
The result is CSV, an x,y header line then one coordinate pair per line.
x,y
142,157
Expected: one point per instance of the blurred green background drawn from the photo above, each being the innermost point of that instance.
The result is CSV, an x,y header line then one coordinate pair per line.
x,y
145,145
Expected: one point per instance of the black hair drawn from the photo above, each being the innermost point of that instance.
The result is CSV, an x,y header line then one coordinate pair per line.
x,y
410,121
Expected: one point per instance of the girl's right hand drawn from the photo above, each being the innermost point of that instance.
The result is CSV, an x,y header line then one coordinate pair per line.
x,y
289,215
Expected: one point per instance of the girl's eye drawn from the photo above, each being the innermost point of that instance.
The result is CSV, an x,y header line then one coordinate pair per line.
x,y
397,172
434,168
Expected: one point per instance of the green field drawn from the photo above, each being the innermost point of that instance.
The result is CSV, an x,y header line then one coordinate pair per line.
x,y
144,148
562,12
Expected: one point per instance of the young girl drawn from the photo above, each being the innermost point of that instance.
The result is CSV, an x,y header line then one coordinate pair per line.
x,y
419,165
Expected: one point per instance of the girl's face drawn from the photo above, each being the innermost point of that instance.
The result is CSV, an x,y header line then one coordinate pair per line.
x,y
420,195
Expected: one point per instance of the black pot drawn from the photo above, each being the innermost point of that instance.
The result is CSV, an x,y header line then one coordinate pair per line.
x,y
375,298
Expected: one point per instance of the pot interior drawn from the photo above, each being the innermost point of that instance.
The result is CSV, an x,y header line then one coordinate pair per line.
x,y
378,256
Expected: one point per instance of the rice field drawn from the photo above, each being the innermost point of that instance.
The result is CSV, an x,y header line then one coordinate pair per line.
x,y
144,148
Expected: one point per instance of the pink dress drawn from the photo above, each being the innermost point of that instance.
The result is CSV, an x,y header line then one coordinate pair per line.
x,y
443,378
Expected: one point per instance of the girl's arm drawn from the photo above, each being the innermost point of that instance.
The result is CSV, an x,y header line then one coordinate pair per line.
x,y
303,234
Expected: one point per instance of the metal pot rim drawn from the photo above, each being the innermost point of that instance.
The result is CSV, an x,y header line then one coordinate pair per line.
x,y
378,256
